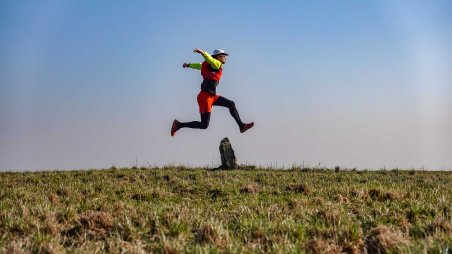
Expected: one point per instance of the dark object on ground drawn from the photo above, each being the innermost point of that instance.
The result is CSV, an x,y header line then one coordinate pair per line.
x,y
228,160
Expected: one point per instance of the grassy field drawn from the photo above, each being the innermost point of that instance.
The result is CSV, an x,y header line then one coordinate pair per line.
x,y
180,210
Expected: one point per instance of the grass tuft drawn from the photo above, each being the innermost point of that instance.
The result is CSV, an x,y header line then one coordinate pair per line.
x,y
298,188
382,239
212,233
318,245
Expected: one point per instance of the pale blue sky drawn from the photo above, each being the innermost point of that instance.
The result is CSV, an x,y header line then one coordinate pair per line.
x,y
91,84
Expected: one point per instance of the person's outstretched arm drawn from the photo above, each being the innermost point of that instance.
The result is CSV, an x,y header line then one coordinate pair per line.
x,y
216,64
196,66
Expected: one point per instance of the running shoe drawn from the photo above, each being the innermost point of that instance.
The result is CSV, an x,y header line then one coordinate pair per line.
x,y
246,126
175,127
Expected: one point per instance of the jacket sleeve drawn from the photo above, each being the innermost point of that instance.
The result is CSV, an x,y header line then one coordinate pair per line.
x,y
212,61
196,66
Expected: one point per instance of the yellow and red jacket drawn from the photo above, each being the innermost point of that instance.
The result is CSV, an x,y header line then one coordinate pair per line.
x,y
210,69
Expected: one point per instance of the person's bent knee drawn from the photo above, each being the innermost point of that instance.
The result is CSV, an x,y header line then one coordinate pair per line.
x,y
232,104
204,125
205,119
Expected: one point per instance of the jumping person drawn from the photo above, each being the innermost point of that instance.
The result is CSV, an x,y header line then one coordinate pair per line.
x,y
211,71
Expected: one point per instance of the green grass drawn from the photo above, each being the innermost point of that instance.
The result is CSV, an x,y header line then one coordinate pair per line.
x,y
180,210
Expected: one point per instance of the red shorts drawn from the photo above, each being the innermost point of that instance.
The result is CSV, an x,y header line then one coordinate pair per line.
x,y
206,100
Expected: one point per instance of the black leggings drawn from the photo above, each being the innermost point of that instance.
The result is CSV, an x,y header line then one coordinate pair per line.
x,y
205,117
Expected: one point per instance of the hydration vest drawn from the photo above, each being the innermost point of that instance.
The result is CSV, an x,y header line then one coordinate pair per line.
x,y
207,72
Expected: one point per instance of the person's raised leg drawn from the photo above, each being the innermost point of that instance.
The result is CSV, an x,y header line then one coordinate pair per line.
x,y
205,119
223,102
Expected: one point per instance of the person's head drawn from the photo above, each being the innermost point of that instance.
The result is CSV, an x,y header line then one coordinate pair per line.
x,y
220,55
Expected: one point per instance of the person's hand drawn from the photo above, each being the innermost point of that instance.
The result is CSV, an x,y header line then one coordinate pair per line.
x,y
200,51
185,65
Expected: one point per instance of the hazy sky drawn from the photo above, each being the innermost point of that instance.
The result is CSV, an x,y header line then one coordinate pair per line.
x,y
91,84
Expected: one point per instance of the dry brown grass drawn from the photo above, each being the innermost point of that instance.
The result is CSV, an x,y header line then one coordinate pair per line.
x,y
321,246
382,239
258,234
95,224
341,198
439,226
329,216
354,247
53,198
298,188
212,233
382,195
51,225
250,189
17,246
